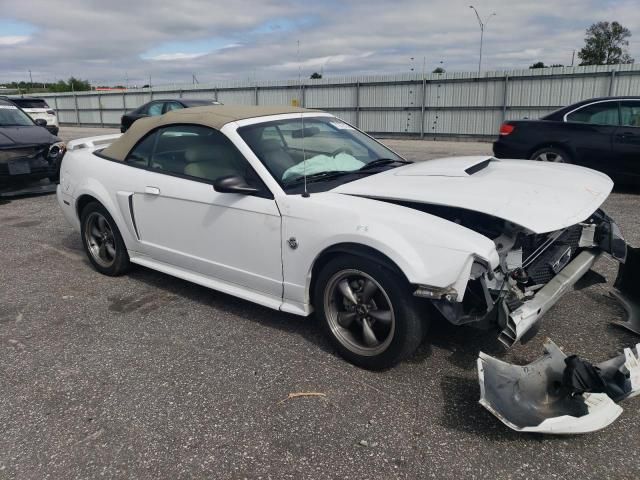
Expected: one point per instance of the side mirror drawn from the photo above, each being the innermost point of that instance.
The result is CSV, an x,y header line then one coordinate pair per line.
x,y
41,122
233,184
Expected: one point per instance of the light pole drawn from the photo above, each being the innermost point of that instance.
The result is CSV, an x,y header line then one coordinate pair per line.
x,y
482,25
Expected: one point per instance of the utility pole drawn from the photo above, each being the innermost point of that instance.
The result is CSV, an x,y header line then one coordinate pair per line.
x,y
30,81
573,56
482,25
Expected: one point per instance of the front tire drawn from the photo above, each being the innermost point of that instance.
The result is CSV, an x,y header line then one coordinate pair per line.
x,y
102,241
368,312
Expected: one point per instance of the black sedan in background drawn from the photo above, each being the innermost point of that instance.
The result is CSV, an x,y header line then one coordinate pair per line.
x,y
158,107
27,150
601,133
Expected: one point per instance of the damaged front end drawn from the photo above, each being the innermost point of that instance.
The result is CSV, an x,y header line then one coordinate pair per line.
x,y
535,271
557,394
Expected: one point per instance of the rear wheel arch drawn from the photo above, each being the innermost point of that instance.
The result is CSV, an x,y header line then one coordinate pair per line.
x,y
355,249
555,145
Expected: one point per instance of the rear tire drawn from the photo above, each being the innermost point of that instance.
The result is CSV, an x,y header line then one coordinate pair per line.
x,y
102,241
551,154
382,327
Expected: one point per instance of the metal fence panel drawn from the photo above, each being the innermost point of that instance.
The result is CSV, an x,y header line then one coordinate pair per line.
x,y
87,102
67,116
111,117
134,100
449,104
330,97
89,117
627,85
462,122
112,100
398,122
237,97
407,95
279,96
65,102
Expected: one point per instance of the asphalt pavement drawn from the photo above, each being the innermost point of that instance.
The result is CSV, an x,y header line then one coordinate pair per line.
x,y
148,376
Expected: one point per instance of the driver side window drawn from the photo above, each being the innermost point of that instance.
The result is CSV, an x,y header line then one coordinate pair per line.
x,y
198,152
193,151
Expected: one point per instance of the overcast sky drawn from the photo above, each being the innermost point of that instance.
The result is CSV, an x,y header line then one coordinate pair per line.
x,y
110,41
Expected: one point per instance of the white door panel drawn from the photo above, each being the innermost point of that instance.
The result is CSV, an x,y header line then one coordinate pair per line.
x,y
231,237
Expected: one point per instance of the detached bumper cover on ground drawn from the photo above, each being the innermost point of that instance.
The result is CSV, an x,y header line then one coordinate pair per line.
x,y
565,395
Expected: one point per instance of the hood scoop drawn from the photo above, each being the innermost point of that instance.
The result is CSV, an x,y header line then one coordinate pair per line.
x,y
450,167
479,166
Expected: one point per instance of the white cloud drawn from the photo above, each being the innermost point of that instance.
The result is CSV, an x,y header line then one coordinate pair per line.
x,y
104,45
175,56
13,40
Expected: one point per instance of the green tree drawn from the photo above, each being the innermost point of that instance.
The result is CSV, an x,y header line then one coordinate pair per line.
x,y
71,85
538,65
439,70
315,76
605,44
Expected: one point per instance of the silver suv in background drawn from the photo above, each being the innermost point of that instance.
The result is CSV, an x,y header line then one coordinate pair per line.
x,y
38,108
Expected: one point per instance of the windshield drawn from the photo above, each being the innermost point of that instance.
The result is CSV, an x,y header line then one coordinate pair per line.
x,y
329,146
12,116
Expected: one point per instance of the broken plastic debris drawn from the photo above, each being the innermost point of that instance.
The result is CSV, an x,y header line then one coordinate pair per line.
x,y
549,396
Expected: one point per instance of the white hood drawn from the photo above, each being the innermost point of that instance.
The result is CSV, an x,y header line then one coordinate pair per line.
x,y
539,196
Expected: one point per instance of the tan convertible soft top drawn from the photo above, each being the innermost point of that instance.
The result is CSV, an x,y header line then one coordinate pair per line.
x,y
214,116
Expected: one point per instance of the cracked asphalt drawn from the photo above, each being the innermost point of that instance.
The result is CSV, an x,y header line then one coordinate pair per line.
x,y
148,376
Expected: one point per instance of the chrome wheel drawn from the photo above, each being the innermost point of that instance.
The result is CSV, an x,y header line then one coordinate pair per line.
x,y
100,239
550,157
359,312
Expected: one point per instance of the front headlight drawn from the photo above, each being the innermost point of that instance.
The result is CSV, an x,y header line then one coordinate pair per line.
x,y
56,150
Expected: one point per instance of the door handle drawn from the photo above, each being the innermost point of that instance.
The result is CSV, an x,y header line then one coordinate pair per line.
x,y
152,190
625,135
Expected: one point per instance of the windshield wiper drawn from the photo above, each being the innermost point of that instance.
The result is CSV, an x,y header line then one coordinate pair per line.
x,y
319,176
382,162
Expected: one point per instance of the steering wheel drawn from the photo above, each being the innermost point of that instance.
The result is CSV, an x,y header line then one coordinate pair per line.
x,y
341,150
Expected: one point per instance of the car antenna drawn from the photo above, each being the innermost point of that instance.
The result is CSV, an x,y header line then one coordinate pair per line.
x,y
305,194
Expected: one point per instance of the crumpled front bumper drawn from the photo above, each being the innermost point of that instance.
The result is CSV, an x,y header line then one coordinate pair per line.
x,y
522,320
557,394
521,323
551,395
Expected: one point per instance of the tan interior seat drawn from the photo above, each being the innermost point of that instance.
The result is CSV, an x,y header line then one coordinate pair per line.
x,y
276,157
211,161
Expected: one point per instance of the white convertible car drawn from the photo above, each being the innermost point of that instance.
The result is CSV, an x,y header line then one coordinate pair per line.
x,y
299,211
